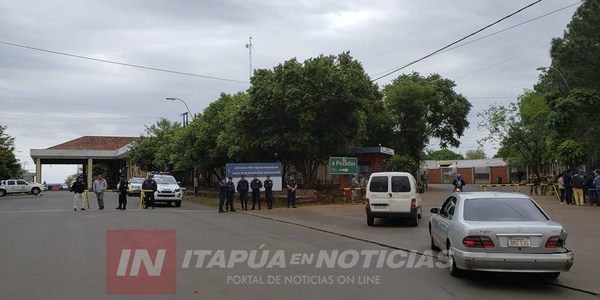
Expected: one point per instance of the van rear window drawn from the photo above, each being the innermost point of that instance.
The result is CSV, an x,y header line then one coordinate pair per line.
x,y
379,184
400,184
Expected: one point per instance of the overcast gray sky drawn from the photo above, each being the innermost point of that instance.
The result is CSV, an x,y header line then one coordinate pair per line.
x,y
47,99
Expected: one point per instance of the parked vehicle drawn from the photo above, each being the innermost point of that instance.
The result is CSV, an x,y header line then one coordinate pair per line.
x,y
168,190
13,186
393,195
499,232
135,186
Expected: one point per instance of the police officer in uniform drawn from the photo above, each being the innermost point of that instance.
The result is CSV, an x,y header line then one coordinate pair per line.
x,y
242,188
122,188
149,184
222,194
269,192
291,195
230,190
255,186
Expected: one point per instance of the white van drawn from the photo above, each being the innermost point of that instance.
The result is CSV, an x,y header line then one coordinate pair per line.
x,y
393,195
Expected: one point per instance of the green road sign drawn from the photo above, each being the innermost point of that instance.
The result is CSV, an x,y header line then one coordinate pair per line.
x,y
343,165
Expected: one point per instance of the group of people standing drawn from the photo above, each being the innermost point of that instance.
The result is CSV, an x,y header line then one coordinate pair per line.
x,y
227,189
359,183
99,187
78,188
573,187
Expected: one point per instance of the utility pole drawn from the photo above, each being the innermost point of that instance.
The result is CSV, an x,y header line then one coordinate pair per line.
x,y
249,46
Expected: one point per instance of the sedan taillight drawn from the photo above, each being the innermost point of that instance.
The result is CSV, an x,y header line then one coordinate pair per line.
x,y
553,241
478,241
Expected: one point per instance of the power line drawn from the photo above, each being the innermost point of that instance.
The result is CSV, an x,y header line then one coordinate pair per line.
x,y
455,42
511,27
499,31
55,116
501,62
120,63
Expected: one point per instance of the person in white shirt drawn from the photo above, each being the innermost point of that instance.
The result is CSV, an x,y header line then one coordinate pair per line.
x,y
99,187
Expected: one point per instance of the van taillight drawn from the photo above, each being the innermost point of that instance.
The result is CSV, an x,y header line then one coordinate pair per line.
x,y
367,202
413,203
478,241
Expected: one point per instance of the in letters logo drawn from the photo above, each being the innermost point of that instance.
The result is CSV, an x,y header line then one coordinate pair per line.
x,y
141,262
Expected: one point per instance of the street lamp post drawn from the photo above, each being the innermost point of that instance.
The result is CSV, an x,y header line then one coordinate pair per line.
x,y
559,73
186,106
195,167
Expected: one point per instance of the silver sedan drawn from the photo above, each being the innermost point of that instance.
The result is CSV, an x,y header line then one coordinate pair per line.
x,y
502,232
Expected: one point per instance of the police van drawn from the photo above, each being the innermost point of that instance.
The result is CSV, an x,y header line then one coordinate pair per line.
x,y
393,195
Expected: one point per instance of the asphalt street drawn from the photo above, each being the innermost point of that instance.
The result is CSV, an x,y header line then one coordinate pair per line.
x,y
49,251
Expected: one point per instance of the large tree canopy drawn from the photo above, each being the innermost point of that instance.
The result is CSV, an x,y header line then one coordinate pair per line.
x,y
306,112
423,108
9,165
443,154
156,150
520,128
577,54
572,116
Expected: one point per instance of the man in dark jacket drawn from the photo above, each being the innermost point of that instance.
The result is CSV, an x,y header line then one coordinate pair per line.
x,y
222,194
149,184
568,186
269,192
255,185
291,194
242,188
230,191
78,187
122,188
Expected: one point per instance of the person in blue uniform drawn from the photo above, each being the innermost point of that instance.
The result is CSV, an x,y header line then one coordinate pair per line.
x,y
291,194
269,192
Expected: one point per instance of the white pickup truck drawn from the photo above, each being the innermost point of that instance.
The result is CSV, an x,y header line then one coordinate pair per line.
x,y
13,186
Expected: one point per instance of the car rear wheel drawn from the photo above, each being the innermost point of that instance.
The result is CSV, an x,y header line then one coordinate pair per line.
x,y
177,203
370,220
36,191
433,246
454,270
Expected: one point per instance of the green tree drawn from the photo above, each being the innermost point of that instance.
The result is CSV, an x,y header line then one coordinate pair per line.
x,y
206,142
520,128
574,123
475,154
443,154
577,54
9,165
402,163
305,112
156,149
423,108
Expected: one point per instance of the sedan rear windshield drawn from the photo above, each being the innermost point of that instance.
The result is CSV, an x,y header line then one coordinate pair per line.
x,y
508,209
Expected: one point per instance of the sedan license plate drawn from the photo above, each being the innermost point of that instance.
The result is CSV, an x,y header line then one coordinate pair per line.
x,y
519,242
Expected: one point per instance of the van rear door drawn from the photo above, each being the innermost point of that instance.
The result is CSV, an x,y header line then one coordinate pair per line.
x,y
401,194
379,195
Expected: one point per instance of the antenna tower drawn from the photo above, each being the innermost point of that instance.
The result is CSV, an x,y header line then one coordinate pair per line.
x,y
249,46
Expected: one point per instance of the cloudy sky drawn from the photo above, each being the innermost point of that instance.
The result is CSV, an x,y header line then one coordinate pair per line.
x,y
47,98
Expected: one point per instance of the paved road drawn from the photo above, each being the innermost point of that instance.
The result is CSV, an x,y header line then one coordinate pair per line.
x,y
48,251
